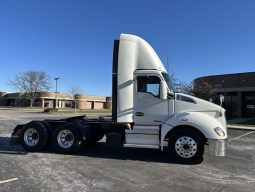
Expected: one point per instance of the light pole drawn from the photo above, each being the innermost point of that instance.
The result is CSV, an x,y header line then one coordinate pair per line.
x,y
76,102
56,79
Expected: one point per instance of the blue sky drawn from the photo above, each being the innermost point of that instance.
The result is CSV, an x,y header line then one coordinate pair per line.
x,y
73,39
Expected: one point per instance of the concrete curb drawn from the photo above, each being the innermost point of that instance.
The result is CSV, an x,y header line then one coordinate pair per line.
x,y
242,127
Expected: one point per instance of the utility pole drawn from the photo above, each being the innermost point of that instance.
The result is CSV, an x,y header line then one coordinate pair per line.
x,y
56,101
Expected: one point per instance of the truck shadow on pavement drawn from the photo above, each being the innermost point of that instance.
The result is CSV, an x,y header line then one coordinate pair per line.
x,y
103,150
6,148
98,150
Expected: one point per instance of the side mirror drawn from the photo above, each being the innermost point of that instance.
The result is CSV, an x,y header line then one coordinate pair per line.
x,y
163,90
221,99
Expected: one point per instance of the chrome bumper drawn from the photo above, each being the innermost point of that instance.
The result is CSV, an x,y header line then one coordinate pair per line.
x,y
217,147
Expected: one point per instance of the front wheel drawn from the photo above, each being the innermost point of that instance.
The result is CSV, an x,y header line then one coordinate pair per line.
x,y
186,146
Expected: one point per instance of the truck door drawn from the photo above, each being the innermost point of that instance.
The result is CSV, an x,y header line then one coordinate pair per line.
x,y
149,109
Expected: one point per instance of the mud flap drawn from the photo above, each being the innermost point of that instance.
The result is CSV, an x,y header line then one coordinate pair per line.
x,y
15,137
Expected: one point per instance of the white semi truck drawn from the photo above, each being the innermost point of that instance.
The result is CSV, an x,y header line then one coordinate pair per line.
x,y
146,113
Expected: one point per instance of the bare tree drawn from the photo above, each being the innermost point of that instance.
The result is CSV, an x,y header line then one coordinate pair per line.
x,y
31,83
75,91
185,87
174,80
205,90
201,89
181,86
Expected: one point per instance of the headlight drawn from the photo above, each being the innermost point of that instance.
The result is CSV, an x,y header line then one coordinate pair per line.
x,y
219,131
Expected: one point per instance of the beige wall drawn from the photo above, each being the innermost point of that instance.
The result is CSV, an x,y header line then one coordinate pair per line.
x,y
99,105
48,98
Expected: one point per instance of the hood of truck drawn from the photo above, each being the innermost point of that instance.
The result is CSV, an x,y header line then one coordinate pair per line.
x,y
192,103
186,104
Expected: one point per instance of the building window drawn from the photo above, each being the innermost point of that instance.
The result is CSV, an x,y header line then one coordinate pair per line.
x,y
230,104
249,104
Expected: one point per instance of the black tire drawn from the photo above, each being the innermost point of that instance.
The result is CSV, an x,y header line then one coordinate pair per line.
x,y
67,138
48,127
186,146
49,130
34,136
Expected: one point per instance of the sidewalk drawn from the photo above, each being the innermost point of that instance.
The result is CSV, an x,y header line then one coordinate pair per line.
x,y
237,124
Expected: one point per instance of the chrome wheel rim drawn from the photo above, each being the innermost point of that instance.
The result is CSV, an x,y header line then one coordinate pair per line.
x,y
31,137
186,147
65,139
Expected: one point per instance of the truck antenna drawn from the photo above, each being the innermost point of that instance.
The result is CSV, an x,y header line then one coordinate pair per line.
x,y
167,65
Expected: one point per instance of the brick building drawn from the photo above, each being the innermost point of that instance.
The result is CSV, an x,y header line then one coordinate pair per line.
x,y
50,99
239,92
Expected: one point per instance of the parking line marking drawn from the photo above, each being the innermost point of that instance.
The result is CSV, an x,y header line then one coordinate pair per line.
x,y
241,136
8,180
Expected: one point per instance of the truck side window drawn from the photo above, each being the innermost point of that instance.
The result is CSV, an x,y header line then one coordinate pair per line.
x,y
148,84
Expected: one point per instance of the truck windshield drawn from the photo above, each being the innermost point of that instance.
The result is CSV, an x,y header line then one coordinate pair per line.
x,y
169,82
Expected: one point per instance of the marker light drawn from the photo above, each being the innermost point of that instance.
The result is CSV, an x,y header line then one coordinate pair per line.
x,y
219,131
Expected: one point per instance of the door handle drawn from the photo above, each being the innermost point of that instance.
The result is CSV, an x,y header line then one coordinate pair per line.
x,y
139,114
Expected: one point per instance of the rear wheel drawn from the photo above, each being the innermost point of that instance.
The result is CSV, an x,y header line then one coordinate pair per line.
x,y
186,146
66,138
34,136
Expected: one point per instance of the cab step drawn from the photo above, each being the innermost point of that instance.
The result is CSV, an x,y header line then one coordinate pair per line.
x,y
141,146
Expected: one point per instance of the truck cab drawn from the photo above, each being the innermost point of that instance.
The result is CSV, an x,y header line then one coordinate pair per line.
x,y
145,99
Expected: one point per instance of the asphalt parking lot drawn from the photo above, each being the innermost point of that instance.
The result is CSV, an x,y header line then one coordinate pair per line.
x,y
104,168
